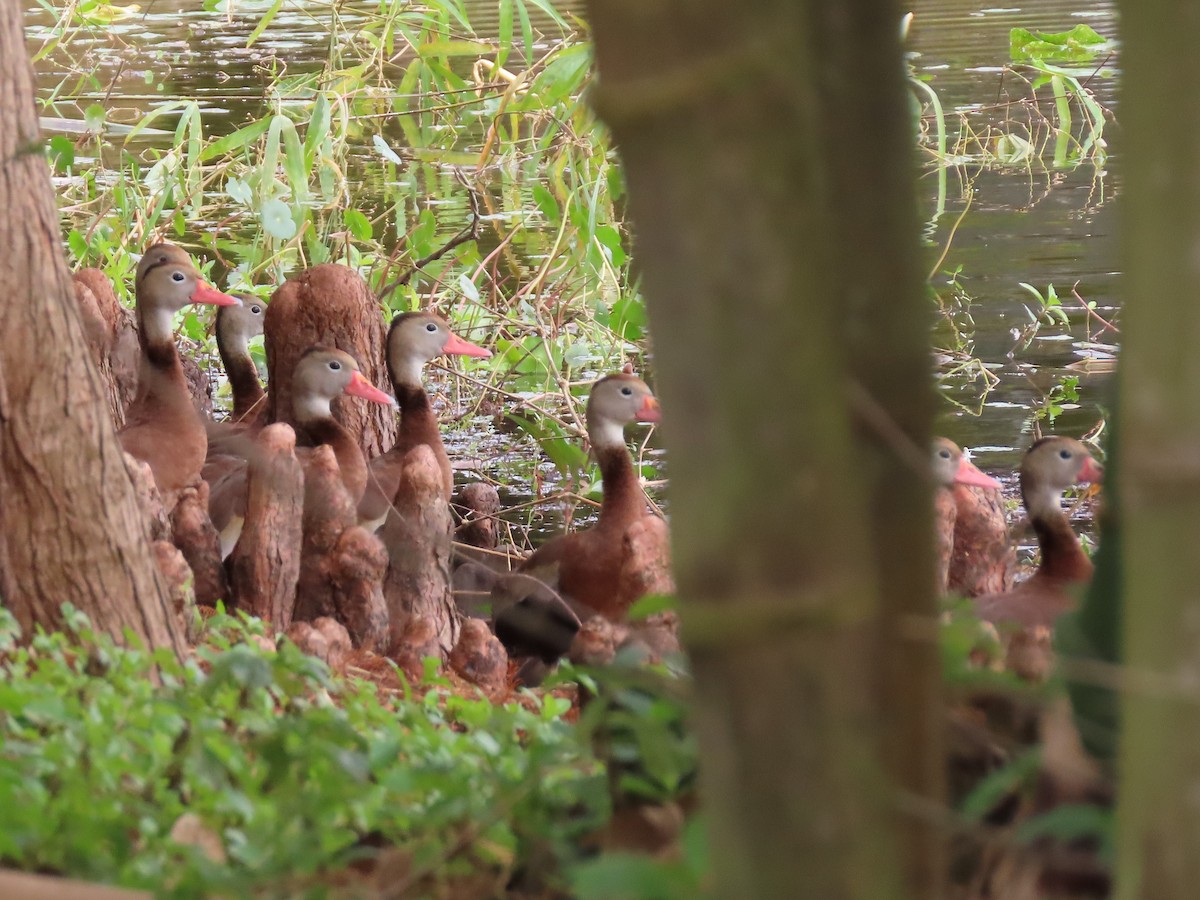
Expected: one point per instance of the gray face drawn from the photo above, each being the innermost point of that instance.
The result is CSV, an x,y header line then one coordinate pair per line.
x,y
236,325
946,457
166,278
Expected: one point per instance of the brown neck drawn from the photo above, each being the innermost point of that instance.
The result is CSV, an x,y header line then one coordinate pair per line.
x,y
623,502
418,423
1062,556
349,457
161,376
243,379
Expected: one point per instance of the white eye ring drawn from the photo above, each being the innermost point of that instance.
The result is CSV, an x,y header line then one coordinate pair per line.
x,y
335,365
178,276
431,327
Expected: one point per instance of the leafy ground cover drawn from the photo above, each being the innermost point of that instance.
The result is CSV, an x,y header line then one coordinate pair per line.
x,y
247,770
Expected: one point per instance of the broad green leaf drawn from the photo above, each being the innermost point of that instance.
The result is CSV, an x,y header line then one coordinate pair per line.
x,y
276,218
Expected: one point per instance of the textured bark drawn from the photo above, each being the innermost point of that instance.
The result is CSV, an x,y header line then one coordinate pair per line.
x,y
479,656
111,331
266,560
324,638
1159,748
777,132
417,640
417,537
70,529
478,510
193,533
199,385
329,304
178,576
149,499
342,566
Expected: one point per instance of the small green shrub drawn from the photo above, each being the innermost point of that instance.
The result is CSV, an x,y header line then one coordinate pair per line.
x,y
298,775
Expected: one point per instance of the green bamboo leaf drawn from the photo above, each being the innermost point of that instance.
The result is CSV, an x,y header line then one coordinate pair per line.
x,y
243,137
293,161
264,22
152,116
454,48
548,8
318,128
526,28
358,224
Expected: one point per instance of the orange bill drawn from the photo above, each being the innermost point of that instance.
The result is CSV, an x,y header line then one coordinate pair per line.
x,y
456,346
649,410
206,293
360,387
968,474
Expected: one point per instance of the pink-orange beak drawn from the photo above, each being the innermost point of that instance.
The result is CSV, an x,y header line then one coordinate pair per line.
x,y
1091,473
968,474
360,387
206,293
649,410
456,346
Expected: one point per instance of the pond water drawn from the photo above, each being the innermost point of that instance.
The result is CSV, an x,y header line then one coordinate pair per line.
x,y
1021,224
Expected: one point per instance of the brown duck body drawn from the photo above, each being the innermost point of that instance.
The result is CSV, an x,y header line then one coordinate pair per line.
x,y
591,565
413,340
1051,590
418,426
984,558
321,374
1050,466
966,534
162,426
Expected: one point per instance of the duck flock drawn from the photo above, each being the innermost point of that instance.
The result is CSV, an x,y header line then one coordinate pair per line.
x,y
293,509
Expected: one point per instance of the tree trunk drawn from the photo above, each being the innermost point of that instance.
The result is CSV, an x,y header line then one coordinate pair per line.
x,y
769,167
1159,752
70,527
417,536
341,565
329,304
111,330
265,563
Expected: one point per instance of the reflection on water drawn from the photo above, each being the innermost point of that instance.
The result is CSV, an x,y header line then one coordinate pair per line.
x,y
1040,228
1046,228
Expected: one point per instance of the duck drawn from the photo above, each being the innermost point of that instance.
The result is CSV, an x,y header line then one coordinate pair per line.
x,y
162,426
589,568
321,374
1050,466
235,326
961,537
413,339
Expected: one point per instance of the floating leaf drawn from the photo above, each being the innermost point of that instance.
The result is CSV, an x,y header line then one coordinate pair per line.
x,y
384,150
277,219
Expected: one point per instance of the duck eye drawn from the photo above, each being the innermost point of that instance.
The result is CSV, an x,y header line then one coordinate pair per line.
x,y
334,365
1064,454
256,309
944,454
627,391
178,276
431,327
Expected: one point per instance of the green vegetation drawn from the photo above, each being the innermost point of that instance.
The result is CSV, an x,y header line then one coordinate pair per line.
x,y
463,171
297,782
